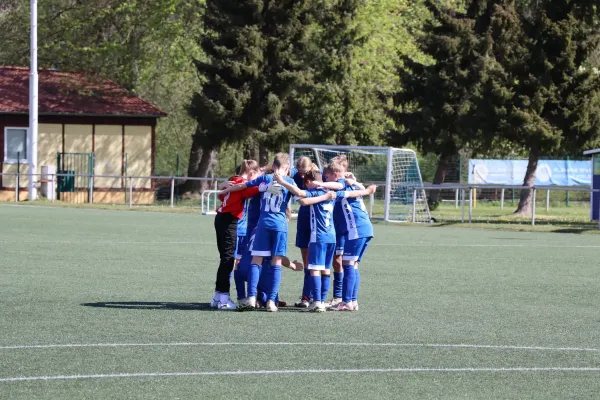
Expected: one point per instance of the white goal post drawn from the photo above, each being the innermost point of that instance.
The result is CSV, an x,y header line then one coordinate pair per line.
x,y
400,197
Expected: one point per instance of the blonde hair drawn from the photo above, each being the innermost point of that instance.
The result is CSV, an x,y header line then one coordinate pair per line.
x,y
304,164
334,167
281,160
248,166
342,159
267,169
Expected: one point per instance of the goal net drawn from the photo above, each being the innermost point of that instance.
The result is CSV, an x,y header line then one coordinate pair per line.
x,y
400,196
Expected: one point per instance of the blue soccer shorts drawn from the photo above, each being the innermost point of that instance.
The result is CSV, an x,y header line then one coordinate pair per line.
x,y
340,241
303,231
354,249
320,256
268,243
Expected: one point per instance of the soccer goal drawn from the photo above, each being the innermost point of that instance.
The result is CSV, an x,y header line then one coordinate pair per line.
x,y
399,197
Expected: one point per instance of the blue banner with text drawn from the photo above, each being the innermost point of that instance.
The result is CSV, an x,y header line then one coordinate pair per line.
x,y
512,172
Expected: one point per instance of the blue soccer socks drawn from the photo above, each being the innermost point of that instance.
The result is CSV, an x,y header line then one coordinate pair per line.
x,y
349,281
274,281
316,287
306,288
325,283
338,283
356,284
240,283
253,276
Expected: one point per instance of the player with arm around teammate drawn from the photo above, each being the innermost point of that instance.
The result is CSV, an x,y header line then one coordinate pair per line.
x,y
303,166
359,232
322,236
241,271
226,221
271,232
244,250
335,173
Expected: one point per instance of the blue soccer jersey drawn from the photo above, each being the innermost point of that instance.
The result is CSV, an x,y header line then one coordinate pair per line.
x,y
355,216
303,212
253,212
321,226
338,214
272,207
297,177
243,222
303,224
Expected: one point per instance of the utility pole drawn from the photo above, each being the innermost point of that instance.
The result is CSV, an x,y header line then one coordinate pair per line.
x,y
32,133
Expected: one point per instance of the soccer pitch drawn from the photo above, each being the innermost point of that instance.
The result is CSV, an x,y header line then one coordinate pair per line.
x,y
114,304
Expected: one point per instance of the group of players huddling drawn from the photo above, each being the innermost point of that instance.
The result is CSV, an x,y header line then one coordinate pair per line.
x,y
252,224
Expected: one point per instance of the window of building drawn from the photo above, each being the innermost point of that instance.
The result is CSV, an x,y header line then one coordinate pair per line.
x,y
15,145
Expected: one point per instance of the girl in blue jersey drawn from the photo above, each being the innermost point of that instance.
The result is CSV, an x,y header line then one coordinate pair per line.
x,y
271,232
358,235
334,174
303,165
358,231
240,272
255,289
321,239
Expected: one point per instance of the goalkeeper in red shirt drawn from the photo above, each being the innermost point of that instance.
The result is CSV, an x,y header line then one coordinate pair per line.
x,y
226,221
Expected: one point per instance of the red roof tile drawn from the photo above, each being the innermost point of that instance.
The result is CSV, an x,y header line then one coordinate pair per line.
x,y
69,93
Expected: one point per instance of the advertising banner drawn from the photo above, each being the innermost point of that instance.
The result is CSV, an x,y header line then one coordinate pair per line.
x,y
512,172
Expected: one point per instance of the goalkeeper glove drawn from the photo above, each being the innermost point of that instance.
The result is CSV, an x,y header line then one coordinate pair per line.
x,y
275,189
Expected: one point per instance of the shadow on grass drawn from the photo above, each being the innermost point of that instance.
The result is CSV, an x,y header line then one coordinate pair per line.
x,y
151,305
163,305
575,230
543,226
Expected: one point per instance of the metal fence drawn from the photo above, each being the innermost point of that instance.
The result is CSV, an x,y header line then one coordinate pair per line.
x,y
549,204
131,191
155,191
450,203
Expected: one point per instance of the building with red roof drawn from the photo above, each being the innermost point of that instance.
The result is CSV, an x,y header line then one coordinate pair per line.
x,y
81,117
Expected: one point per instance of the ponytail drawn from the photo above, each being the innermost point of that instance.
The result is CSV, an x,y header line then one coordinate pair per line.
x,y
342,159
304,164
248,166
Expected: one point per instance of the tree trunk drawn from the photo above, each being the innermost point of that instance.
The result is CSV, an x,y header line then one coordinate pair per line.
x,y
249,150
202,161
263,154
439,178
527,195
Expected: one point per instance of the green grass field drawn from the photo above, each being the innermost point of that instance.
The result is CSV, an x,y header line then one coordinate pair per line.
x,y
559,218
99,304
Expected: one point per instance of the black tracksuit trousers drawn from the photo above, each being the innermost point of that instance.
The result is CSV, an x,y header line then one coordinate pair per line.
x,y
226,229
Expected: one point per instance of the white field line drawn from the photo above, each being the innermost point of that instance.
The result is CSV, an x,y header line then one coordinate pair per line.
x,y
400,245
327,344
104,242
485,245
140,208
297,371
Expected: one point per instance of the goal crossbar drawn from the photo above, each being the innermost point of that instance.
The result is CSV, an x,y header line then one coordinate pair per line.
x,y
398,168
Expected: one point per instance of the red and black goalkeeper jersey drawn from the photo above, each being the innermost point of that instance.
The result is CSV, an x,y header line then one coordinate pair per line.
x,y
233,202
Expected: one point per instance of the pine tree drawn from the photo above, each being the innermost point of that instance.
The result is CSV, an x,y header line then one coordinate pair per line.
x,y
437,105
273,112
234,49
540,95
252,71
340,108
